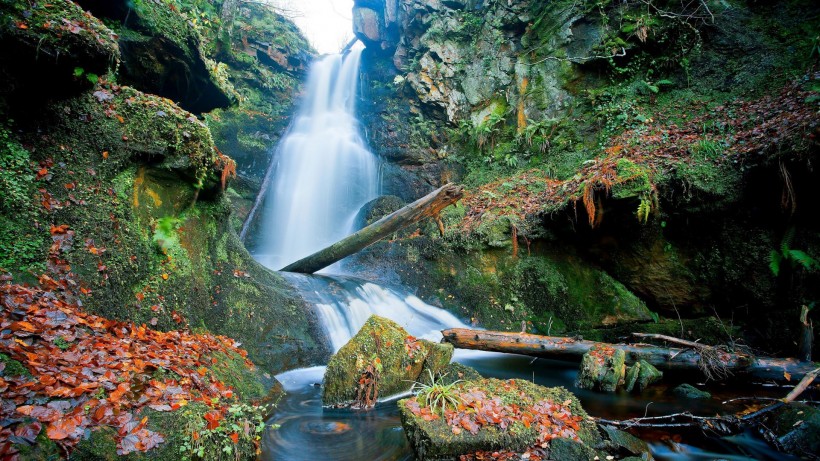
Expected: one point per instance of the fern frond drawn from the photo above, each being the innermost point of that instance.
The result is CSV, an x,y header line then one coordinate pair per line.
x,y
644,208
803,258
786,243
774,262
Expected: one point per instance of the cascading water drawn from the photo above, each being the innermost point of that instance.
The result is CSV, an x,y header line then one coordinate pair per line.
x,y
324,172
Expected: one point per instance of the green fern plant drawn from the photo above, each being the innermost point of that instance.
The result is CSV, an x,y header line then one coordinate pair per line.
x,y
644,209
437,396
785,254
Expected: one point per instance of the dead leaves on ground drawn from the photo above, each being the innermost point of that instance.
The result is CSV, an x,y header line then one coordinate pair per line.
x,y
88,371
477,409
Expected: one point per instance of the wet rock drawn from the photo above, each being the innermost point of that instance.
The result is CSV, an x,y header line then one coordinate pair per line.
x,y
687,391
602,369
383,346
618,440
641,374
435,439
376,209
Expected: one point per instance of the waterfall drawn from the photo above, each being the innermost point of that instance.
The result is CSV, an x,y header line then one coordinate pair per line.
x,y
324,171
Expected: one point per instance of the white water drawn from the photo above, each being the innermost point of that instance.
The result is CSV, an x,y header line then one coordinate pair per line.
x,y
324,170
343,304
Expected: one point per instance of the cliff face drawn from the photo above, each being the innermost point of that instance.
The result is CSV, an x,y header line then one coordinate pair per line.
x,y
137,175
668,147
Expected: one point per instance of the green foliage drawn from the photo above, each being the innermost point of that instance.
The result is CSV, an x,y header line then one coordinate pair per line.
x,y
17,208
644,209
785,254
708,149
13,367
438,397
61,343
241,422
165,232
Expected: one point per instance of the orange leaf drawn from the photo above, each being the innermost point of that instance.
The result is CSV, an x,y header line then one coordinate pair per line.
x,y
105,154
235,437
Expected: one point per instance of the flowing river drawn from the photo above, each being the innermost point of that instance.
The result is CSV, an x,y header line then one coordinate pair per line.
x,y
324,174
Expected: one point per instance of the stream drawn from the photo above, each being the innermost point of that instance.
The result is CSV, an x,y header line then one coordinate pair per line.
x,y
324,174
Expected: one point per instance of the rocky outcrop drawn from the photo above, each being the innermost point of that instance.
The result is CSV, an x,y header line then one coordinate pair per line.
x,y
515,419
376,23
380,361
53,49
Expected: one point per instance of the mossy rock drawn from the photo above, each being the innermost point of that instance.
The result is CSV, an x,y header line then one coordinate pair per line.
x,y
688,391
641,374
451,373
798,428
401,357
51,49
377,208
619,441
602,369
435,440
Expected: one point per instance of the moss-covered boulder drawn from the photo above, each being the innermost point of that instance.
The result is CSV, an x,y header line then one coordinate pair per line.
x,y
602,369
51,49
384,346
641,374
163,54
688,391
524,412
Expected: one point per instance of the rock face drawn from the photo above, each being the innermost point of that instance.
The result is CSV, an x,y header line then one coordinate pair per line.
x,y
376,23
515,418
383,353
48,44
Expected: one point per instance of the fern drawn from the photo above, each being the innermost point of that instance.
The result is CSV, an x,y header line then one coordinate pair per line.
x,y
775,258
786,253
644,208
803,259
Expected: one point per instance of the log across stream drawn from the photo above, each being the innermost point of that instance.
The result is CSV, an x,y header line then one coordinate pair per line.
x,y
664,358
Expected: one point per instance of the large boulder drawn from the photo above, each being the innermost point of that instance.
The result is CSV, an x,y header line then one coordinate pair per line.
x,y
51,49
376,23
383,360
515,417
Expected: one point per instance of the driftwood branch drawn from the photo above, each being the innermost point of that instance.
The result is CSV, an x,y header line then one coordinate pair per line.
x,y
664,358
428,206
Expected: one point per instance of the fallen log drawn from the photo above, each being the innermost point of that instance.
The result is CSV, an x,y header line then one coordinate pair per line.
x,y
663,358
428,206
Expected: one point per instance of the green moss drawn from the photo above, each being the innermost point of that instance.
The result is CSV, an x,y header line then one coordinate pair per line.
x,y
632,181
602,369
233,371
381,343
13,367
642,374
44,449
62,31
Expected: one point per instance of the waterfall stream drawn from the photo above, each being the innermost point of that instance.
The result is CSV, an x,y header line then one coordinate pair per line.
x,y
324,171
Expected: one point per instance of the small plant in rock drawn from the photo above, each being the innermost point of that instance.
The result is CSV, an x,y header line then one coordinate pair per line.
x,y
785,254
438,397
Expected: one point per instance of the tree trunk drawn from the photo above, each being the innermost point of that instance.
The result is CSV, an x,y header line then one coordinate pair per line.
x,y
804,343
664,358
425,207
